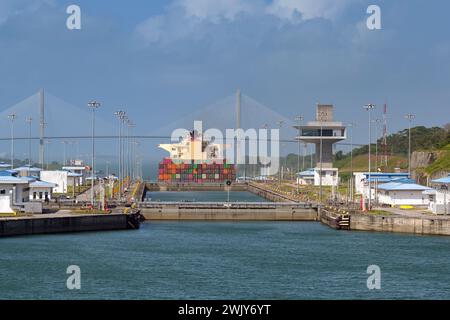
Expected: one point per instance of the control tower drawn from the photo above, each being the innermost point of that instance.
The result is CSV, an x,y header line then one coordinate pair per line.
x,y
324,129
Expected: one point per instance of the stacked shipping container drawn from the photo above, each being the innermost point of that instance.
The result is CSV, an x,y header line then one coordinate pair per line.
x,y
195,171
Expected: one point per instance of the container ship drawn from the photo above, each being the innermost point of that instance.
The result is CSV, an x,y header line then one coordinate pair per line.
x,y
195,160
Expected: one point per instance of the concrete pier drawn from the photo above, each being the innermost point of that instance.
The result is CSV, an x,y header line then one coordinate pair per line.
x,y
67,222
433,225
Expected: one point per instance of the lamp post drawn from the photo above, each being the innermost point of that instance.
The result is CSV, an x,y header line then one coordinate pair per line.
x,y
120,115
12,117
64,152
299,119
350,126
93,105
377,123
410,117
369,107
130,125
322,115
47,153
280,177
29,120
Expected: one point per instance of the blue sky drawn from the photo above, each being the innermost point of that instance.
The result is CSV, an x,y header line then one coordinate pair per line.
x,y
162,59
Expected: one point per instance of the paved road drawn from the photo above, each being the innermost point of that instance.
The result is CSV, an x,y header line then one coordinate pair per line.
x,y
86,196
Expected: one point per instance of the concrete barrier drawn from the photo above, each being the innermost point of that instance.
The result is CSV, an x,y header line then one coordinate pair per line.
x,y
183,213
66,223
415,225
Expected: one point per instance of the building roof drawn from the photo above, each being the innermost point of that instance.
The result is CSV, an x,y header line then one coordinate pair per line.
x,y
74,168
42,184
28,179
12,180
445,180
26,168
398,186
306,173
384,174
389,179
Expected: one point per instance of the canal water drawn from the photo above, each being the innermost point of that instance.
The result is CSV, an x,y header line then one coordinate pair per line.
x,y
226,260
203,196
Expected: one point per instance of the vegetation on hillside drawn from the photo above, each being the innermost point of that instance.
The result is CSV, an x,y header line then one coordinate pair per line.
x,y
422,139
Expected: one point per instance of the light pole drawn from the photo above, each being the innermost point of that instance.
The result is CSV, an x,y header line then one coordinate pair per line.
x,y
369,107
47,154
410,117
120,115
377,123
350,126
93,105
12,117
280,124
29,120
322,115
64,152
130,125
299,119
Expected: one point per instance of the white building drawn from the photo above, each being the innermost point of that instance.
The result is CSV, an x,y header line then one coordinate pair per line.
x,y
13,192
80,171
58,177
440,196
26,171
376,178
41,190
402,194
329,176
306,177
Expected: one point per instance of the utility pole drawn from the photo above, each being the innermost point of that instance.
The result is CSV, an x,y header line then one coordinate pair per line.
x,y
29,120
280,177
369,107
299,119
350,126
410,117
120,115
131,125
377,123
64,152
12,117
41,128
322,115
93,105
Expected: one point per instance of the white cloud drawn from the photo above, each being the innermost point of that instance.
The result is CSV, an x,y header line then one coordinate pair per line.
x,y
11,8
308,9
216,10
196,18
151,29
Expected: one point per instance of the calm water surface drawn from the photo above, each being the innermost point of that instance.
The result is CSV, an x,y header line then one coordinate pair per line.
x,y
225,260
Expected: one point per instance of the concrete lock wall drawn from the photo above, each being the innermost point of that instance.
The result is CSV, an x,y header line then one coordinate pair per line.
x,y
279,214
27,226
414,225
